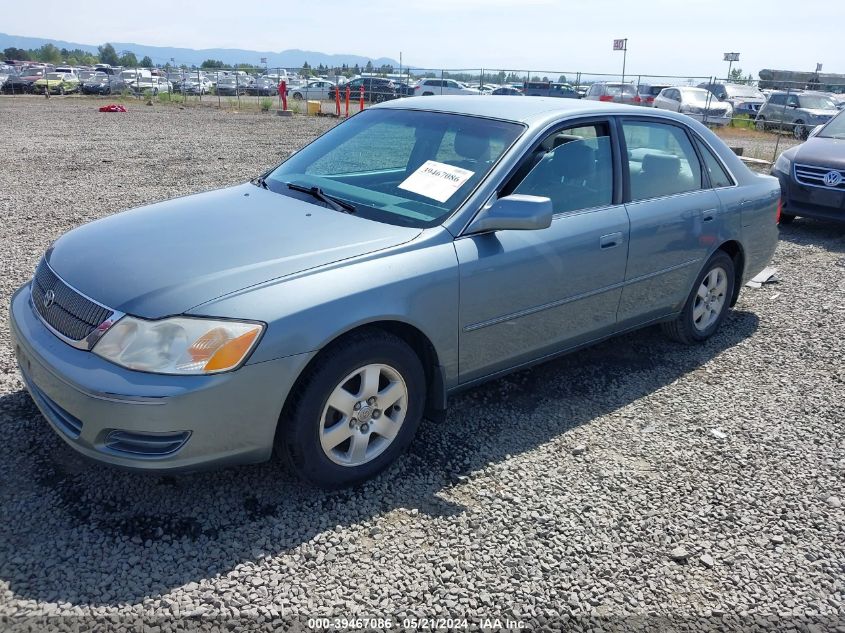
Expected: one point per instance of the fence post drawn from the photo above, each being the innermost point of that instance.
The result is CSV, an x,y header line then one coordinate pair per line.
x,y
217,73
199,81
336,99
238,89
348,94
441,81
362,99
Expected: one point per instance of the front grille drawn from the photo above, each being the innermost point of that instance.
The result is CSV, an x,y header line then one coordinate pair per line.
x,y
65,310
146,444
814,176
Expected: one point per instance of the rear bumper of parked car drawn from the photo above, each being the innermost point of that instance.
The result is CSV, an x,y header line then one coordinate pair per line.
x,y
810,202
149,421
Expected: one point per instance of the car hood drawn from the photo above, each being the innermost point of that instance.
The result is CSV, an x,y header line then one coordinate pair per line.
x,y
166,258
822,151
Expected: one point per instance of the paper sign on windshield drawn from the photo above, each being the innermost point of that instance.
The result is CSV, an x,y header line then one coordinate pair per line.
x,y
437,181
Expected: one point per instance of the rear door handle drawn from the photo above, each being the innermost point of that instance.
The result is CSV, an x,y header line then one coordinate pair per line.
x,y
709,215
610,240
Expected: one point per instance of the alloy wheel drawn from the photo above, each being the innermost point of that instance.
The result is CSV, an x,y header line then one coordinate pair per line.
x,y
710,299
363,415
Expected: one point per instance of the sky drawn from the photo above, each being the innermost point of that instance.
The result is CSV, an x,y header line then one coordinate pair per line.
x,y
665,37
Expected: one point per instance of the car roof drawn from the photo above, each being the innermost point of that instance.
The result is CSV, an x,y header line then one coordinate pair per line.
x,y
529,110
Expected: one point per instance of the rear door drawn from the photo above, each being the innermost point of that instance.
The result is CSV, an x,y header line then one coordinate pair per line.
x,y
527,294
675,218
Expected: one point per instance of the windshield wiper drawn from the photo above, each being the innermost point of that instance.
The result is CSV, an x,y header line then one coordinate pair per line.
x,y
322,196
260,182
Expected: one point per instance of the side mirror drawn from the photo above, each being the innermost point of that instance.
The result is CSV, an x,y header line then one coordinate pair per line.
x,y
815,131
516,212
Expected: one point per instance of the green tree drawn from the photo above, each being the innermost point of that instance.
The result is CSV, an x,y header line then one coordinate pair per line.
x,y
49,54
211,64
146,62
108,55
15,53
369,67
128,59
305,71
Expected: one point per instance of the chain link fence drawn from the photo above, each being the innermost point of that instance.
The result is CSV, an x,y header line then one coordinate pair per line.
x,y
791,107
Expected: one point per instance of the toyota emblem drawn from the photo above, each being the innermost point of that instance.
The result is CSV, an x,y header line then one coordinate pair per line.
x,y
49,299
832,178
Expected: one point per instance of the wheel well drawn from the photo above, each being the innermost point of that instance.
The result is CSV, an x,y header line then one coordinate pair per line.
x,y
734,250
423,348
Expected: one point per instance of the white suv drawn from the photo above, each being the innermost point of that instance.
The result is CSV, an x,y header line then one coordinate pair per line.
x,y
428,87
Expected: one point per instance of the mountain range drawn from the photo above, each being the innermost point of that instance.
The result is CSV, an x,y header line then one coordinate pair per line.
x,y
291,58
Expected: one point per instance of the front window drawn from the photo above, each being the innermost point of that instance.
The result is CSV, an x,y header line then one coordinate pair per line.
x,y
401,167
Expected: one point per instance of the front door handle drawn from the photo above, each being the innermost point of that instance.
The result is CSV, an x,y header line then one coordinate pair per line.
x,y
709,214
610,240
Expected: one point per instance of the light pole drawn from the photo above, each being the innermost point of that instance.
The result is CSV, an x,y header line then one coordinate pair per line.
x,y
731,58
622,45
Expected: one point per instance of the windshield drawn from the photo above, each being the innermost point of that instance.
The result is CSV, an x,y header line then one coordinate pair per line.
x,y
697,95
835,128
399,166
54,76
743,91
816,102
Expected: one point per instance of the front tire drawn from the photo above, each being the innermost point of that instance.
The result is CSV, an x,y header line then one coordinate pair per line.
x,y
800,131
355,411
297,96
707,304
761,123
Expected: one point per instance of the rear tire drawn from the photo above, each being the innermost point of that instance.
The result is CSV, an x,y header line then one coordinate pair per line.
x,y
332,432
800,132
761,123
707,304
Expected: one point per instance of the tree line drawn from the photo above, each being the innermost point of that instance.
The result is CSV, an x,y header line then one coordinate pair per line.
x,y
52,54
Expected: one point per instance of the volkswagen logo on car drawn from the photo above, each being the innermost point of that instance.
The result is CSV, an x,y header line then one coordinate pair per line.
x,y
832,178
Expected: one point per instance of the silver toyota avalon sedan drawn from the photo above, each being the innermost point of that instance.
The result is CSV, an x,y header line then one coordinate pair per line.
x,y
419,248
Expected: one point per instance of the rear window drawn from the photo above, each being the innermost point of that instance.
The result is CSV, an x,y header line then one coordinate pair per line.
x,y
620,89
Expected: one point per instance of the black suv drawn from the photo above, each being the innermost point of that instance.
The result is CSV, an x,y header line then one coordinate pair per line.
x,y
376,89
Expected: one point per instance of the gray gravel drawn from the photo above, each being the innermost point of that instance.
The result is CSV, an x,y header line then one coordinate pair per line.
x,y
589,486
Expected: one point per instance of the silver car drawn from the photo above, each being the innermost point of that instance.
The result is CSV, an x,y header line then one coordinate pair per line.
x,y
419,248
697,103
796,112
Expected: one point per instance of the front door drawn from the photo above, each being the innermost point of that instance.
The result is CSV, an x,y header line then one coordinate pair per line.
x,y
527,294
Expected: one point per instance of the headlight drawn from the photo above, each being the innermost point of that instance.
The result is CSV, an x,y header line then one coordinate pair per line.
x,y
178,345
783,164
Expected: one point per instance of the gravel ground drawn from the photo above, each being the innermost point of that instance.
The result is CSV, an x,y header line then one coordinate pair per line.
x,y
592,486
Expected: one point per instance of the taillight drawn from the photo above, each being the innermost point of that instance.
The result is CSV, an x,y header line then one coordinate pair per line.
x,y
417,87
638,99
780,210
606,98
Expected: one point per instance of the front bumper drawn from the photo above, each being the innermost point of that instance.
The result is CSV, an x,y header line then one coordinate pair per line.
x,y
227,418
808,201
